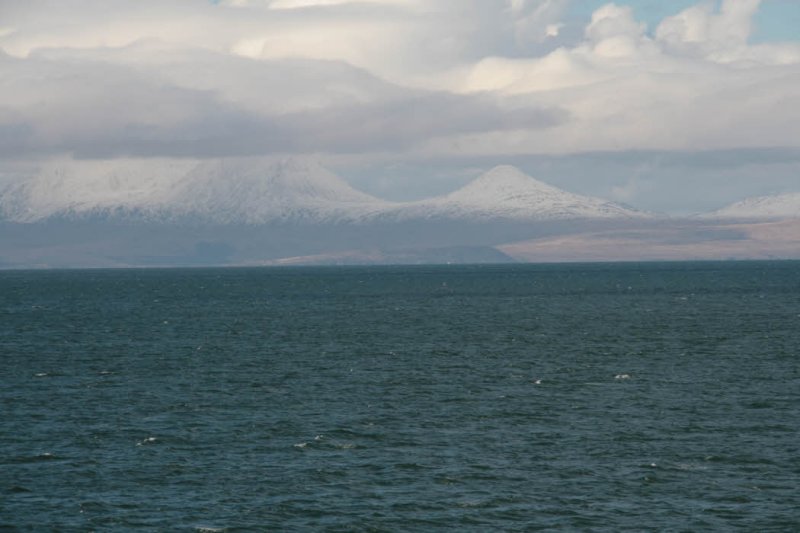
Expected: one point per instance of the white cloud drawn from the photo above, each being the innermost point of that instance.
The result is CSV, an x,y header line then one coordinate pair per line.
x,y
626,90
534,21
700,25
295,4
612,21
552,30
722,37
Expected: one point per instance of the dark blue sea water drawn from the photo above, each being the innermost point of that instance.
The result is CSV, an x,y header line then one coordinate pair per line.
x,y
495,398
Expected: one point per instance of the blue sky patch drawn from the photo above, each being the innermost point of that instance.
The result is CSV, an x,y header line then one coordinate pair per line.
x,y
776,20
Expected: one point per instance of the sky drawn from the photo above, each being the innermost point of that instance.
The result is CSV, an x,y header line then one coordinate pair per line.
x,y
678,107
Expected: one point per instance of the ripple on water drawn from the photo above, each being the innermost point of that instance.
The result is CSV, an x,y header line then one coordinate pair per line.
x,y
320,403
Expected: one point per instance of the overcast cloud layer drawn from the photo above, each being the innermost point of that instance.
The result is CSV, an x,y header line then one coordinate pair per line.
x,y
449,85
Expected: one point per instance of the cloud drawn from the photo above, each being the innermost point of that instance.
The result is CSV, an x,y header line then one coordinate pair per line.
x,y
701,87
445,78
700,25
102,105
722,36
536,21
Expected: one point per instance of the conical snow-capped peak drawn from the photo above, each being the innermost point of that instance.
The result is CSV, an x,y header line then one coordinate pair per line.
x,y
779,206
506,184
505,192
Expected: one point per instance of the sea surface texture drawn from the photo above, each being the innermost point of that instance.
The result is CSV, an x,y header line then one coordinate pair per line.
x,y
638,397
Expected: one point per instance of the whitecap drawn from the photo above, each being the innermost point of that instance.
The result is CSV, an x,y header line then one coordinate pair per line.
x,y
690,466
622,376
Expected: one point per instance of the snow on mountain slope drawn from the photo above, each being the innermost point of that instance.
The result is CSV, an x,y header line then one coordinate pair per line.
x,y
505,192
780,206
71,189
239,190
255,190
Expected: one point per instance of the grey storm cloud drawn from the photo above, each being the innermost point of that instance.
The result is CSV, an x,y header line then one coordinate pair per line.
x,y
97,109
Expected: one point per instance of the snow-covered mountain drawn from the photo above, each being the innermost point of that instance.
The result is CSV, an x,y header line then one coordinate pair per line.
x,y
505,192
246,190
780,206
254,190
74,189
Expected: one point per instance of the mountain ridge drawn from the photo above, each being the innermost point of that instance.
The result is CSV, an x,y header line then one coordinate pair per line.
x,y
238,191
259,190
508,193
773,207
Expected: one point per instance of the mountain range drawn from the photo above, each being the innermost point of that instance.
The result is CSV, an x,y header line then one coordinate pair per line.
x,y
258,211
224,191
261,191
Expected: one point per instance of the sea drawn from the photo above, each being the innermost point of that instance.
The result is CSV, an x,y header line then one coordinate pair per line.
x,y
568,397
